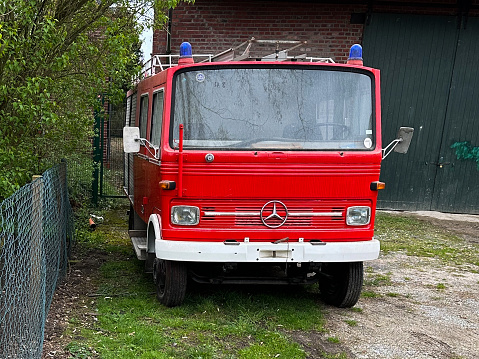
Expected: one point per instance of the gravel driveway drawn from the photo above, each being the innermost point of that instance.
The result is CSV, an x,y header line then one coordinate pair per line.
x,y
415,307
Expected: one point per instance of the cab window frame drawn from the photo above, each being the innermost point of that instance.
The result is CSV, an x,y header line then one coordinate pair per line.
x,y
156,125
143,116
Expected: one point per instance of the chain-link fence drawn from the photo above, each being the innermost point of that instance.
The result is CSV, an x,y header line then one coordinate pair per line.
x,y
36,233
96,168
113,159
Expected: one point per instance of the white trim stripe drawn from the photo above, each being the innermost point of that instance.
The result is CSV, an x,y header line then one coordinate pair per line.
x,y
290,214
237,214
315,214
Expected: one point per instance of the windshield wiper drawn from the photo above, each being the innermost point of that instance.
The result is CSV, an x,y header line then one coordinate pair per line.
x,y
248,143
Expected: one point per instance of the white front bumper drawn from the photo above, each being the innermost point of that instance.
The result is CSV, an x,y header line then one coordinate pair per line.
x,y
247,252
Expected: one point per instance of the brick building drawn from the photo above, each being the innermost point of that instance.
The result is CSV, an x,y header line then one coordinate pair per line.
x,y
330,28
426,51
214,26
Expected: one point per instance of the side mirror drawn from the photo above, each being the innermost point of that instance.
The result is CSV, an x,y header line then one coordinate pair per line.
x,y
405,135
401,143
131,139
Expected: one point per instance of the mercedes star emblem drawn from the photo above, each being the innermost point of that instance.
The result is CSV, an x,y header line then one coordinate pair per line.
x,y
274,214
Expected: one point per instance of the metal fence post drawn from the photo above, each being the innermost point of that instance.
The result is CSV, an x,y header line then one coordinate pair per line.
x,y
96,156
37,226
101,148
98,139
37,253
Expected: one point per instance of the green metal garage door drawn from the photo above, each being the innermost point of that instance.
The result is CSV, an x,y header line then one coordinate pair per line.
x,y
429,82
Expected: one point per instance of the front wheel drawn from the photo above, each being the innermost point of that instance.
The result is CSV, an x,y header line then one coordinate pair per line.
x,y
170,278
341,283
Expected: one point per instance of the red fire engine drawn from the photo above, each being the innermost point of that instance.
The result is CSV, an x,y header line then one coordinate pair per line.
x,y
246,170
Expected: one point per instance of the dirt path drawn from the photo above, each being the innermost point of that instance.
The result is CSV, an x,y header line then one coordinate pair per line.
x,y
69,301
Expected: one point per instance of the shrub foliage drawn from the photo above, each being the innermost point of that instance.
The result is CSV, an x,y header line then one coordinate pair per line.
x,y
56,57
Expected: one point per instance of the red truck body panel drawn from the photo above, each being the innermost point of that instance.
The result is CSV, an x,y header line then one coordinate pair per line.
x,y
328,180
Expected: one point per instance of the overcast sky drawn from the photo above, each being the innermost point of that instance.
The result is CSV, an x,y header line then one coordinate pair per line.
x,y
147,38
147,45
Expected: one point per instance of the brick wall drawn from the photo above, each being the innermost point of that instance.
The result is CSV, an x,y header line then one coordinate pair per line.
x,y
212,26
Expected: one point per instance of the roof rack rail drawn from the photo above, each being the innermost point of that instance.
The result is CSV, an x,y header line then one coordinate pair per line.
x,y
235,54
242,52
162,62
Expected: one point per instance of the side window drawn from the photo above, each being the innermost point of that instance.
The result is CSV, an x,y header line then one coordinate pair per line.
x,y
143,115
128,111
132,118
156,117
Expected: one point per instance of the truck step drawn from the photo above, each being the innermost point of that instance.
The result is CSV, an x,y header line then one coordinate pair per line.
x,y
140,246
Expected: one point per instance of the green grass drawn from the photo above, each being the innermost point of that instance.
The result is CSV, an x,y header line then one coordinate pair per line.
x,y
377,279
351,322
392,294
419,238
111,233
214,321
356,309
79,351
369,294
334,340
440,286
220,323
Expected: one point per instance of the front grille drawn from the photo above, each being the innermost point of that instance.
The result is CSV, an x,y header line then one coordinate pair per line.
x,y
292,221
232,215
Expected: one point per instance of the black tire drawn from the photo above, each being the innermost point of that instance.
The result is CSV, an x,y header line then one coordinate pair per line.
x,y
170,278
341,283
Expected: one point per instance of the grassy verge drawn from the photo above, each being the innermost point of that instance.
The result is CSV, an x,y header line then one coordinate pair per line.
x,y
126,321
214,322
419,238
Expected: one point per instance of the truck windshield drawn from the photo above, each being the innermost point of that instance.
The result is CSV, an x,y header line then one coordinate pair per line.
x,y
273,108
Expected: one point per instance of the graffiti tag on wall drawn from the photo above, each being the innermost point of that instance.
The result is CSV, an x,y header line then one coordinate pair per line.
x,y
465,151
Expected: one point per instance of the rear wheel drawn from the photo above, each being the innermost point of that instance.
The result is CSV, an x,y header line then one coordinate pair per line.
x,y
341,283
170,278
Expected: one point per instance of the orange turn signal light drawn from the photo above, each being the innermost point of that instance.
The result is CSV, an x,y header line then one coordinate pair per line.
x,y
168,185
376,186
